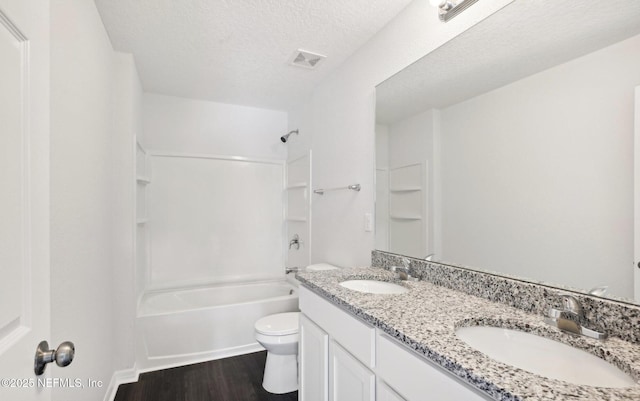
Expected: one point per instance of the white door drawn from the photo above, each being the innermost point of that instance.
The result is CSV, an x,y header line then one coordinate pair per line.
x,y
636,158
314,362
24,194
349,379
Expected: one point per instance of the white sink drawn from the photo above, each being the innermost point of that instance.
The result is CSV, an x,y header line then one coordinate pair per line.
x,y
545,357
374,287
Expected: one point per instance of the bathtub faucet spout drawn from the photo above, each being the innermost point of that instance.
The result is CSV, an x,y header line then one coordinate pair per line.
x,y
295,241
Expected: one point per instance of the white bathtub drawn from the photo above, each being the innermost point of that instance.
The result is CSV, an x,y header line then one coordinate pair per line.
x,y
188,326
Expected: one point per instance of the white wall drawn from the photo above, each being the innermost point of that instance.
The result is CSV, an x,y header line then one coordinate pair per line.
x,y
213,220
411,142
382,187
538,175
298,195
204,213
195,126
337,122
91,203
127,98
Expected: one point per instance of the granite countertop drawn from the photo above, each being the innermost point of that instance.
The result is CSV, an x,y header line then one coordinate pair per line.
x,y
425,319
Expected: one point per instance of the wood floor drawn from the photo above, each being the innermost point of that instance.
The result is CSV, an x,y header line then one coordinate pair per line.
x,y
231,379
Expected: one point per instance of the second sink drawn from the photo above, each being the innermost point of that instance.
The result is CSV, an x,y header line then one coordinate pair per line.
x,y
544,357
374,287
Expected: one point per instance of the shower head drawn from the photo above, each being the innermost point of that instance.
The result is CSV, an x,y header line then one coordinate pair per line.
x,y
284,138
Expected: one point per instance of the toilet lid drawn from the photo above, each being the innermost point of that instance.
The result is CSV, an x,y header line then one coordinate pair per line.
x,y
320,267
279,324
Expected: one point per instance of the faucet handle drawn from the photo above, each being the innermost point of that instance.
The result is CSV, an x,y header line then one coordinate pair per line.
x,y
599,290
571,318
571,304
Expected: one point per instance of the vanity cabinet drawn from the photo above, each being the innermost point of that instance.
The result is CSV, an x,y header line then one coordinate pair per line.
x,y
337,353
385,393
314,362
345,359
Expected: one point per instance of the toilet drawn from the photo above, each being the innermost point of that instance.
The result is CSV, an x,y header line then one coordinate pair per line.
x,y
278,334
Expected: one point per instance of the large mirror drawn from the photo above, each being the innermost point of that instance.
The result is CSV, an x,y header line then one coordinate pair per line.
x,y
511,147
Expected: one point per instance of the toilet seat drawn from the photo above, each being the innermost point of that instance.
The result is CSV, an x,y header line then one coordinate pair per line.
x,y
280,324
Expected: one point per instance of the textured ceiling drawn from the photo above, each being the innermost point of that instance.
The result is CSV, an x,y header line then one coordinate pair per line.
x,y
237,51
523,38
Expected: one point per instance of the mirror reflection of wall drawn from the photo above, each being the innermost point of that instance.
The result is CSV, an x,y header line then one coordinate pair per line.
x,y
404,178
536,176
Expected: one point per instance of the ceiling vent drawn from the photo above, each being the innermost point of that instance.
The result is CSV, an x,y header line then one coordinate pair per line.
x,y
305,59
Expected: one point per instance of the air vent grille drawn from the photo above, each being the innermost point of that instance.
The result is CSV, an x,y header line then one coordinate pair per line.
x,y
305,59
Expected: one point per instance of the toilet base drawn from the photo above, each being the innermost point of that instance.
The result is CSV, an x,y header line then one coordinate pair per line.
x,y
280,373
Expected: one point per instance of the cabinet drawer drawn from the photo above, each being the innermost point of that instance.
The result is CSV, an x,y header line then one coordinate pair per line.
x,y
417,379
354,335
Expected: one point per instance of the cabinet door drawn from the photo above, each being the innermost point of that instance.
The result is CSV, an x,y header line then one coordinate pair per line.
x,y
351,333
384,393
349,379
314,362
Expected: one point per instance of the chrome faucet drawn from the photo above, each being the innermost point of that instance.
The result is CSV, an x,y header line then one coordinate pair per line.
x,y
571,318
572,305
288,270
401,272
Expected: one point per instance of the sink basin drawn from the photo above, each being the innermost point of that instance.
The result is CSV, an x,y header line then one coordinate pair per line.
x,y
374,287
545,357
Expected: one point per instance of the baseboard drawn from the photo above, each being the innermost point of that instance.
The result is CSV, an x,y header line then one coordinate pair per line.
x,y
131,375
120,377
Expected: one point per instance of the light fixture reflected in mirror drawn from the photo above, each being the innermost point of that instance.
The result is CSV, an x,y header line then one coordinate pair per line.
x,y
448,9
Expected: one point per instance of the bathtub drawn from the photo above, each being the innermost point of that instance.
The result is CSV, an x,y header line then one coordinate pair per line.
x,y
188,326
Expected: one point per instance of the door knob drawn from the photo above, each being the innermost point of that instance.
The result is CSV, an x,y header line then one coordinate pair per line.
x,y
63,356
